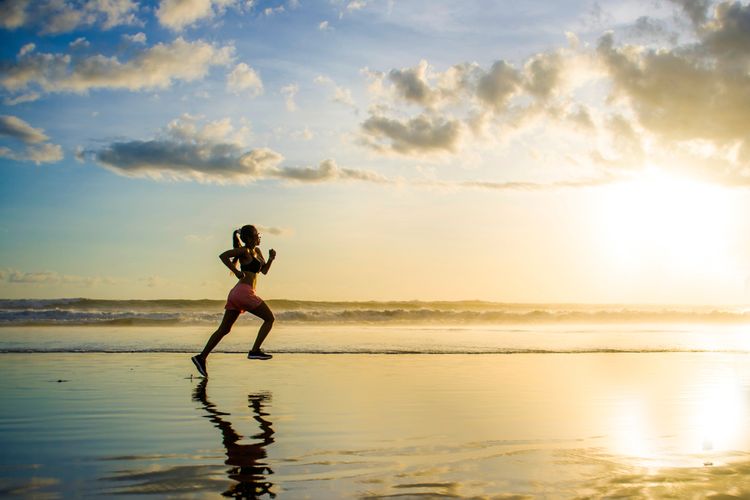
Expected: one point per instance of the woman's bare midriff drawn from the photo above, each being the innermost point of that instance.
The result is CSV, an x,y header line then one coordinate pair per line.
x,y
249,278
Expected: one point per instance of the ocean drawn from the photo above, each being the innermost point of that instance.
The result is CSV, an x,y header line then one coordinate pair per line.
x,y
81,311
461,327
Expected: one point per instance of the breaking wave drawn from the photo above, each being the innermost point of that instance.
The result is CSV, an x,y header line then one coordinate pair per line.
x,y
79,311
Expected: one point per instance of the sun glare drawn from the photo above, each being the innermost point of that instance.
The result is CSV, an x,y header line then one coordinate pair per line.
x,y
675,223
718,418
632,433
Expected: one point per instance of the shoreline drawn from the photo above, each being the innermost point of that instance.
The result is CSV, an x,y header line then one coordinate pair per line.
x,y
357,339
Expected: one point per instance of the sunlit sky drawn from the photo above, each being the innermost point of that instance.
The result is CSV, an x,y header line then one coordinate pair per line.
x,y
572,151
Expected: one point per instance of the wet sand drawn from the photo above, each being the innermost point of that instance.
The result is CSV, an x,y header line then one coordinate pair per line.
x,y
374,425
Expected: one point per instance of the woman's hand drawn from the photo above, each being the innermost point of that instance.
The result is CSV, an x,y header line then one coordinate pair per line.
x,y
267,265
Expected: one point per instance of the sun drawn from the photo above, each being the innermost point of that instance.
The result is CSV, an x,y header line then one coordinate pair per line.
x,y
673,224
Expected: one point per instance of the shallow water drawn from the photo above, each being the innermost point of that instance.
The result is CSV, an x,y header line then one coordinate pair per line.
x,y
427,339
373,425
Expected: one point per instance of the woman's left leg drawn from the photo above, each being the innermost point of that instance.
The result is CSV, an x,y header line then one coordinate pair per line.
x,y
230,316
199,360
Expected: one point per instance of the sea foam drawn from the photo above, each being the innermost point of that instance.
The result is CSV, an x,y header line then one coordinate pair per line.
x,y
80,311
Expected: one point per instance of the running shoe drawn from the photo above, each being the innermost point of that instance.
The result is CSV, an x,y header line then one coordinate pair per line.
x,y
258,355
200,365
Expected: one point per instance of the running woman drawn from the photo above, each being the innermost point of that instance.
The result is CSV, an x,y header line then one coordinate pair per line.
x,y
242,297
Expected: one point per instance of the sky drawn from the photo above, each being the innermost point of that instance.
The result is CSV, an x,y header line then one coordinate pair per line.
x,y
571,151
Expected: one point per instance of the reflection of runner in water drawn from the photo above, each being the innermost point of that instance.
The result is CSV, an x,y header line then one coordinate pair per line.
x,y
242,298
246,459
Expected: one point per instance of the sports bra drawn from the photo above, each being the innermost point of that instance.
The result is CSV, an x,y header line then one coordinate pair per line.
x,y
251,267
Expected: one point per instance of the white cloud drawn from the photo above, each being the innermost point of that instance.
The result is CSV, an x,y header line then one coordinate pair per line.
x,y
44,278
341,95
421,135
421,85
690,98
139,37
289,92
117,12
152,68
356,5
176,14
179,14
652,29
326,171
304,135
36,149
12,126
375,87
61,16
22,98
276,231
13,14
323,26
490,103
212,153
693,92
188,129
411,84
244,79
175,160
29,47
344,96
269,11
496,87
42,153
542,74
602,180
696,10
626,140
78,43
470,85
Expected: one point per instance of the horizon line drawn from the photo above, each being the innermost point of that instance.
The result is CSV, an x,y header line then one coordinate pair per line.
x,y
365,301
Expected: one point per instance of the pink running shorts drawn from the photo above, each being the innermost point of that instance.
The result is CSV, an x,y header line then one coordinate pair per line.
x,y
242,298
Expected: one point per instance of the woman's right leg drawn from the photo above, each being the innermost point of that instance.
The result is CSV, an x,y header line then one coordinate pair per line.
x,y
264,313
230,316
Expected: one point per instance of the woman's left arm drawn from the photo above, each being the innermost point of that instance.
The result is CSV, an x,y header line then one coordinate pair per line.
x,y
267,264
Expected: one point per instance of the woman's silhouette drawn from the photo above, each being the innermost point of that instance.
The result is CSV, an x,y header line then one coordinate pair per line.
x,y
248,468
242,297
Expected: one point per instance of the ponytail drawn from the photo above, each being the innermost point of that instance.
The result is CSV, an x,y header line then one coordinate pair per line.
x,y
240,236
236,243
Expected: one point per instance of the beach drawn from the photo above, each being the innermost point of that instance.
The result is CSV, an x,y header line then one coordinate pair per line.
x,y
374,400
359,249
373,425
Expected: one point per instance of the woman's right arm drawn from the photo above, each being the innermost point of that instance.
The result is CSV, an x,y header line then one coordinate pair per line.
x,y
226,259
